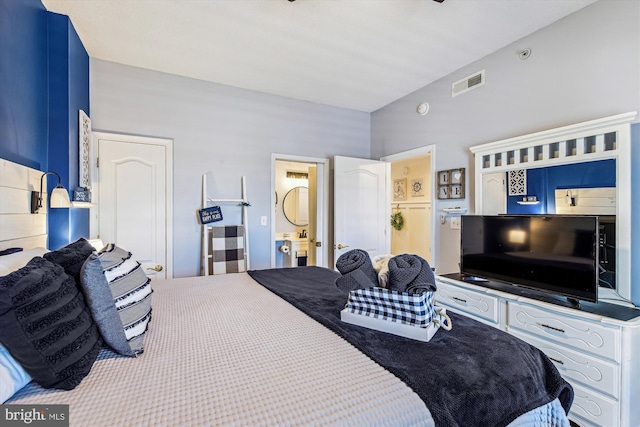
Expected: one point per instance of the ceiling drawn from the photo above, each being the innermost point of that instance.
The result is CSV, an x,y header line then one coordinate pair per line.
x,y
356,54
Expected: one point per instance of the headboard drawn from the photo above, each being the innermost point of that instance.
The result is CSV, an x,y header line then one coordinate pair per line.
x,y
18,226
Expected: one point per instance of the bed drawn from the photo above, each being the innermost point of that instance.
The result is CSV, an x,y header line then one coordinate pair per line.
x,y
245,349
223,350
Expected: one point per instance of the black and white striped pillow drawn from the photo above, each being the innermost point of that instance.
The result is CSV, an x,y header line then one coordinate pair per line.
x,y
131,291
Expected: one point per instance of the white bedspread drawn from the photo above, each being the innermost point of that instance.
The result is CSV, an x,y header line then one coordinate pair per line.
x,y
222,350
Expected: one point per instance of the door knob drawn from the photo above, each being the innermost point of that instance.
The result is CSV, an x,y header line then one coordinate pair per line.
x,y
341,246
157,268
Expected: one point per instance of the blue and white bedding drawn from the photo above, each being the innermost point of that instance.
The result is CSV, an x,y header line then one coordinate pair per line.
x,y
224,350
471,375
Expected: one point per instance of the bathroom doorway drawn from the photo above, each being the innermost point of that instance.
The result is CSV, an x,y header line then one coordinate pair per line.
x,y
299,219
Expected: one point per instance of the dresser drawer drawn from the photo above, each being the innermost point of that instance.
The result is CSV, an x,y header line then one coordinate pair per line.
x,y
601,340
594,408
578,367
468,301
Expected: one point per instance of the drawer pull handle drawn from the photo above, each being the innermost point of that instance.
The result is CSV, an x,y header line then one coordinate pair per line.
x,y
551,327
557,360
464,301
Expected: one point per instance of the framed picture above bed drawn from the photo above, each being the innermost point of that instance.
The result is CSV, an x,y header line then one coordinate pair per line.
x,y
84,155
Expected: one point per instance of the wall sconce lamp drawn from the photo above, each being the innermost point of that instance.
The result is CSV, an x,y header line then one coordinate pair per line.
x,y
569,199
59,196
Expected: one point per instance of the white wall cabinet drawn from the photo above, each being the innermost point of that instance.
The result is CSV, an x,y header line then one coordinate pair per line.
x,y
594,352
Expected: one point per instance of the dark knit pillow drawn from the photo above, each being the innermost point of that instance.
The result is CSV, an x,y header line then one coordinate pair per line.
x,y
71,257
46,326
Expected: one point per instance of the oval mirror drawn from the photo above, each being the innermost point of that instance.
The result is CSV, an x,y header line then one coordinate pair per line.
x,y
296,206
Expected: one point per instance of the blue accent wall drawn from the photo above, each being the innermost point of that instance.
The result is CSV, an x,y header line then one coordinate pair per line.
x,y
23,82
44,81
543,182
68,93
78,100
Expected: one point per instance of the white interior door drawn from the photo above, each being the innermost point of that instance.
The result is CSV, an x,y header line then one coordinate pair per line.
x,y
494,193
312,257
360,200
134,200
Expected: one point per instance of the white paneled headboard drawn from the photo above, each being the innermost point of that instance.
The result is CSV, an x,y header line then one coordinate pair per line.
x,y
18,226
586,201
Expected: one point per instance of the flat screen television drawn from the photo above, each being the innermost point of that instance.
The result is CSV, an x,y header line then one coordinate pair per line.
x,y
552,253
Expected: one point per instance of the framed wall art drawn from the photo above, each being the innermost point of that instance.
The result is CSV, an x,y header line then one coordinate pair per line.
x,y
417,187
399,189
84,136
451,184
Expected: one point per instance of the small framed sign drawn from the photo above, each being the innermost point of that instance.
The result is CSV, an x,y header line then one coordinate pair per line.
x,y
81,195
212,214
451,184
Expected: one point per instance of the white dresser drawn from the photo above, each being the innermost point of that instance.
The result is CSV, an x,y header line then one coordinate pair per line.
x,y
596,349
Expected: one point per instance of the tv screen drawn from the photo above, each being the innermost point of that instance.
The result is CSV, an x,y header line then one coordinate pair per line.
x,y
552,253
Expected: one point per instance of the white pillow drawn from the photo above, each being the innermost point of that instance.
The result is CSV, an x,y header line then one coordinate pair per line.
x,y
12,376
12,262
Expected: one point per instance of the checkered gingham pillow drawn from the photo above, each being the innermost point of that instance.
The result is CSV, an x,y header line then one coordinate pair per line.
x,y
227,244
402,307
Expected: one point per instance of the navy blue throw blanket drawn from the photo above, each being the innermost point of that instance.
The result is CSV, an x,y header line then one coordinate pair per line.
x,y
473,375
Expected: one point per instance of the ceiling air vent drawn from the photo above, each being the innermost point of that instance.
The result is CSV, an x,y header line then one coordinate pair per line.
x,y
473,81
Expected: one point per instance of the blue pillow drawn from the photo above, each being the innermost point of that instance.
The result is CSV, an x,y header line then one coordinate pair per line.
x,y
12,375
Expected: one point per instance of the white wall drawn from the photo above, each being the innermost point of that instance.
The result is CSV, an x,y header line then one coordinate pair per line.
x,y
224,132
583,67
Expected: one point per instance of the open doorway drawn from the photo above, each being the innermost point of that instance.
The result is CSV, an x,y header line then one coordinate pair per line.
x,y
411,206
411,202
299,219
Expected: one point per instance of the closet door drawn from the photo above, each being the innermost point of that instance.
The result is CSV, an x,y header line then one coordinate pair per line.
x,y
134,187
494,193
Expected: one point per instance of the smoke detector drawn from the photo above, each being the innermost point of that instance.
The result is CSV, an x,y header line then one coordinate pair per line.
x,y
423,108
524,54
